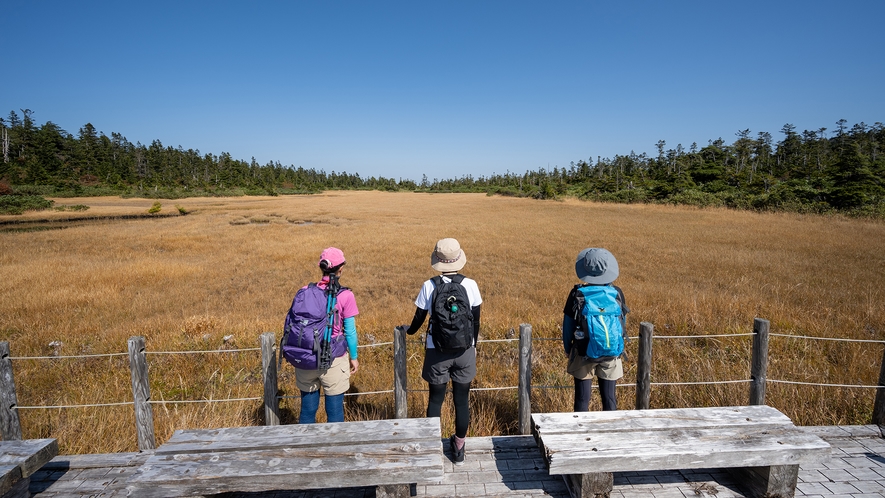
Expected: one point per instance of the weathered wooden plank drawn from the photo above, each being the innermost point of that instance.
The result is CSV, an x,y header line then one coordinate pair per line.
x,y
298,435
668,418
524,402
769,482
301,468
269,374
591,485
681,449
400,378
98,461
10,474
332,458
29,454
387,453
141,394
10,425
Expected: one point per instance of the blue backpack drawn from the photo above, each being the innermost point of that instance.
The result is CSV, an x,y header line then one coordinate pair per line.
x,y
599,311
307,341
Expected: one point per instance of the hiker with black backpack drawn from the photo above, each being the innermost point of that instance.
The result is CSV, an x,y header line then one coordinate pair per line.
x,y
318,336
593,328
453,302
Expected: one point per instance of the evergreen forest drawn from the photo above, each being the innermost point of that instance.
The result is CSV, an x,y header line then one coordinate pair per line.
x,y
814,171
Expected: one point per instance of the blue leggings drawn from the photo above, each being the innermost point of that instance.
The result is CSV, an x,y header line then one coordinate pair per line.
x,y
310,403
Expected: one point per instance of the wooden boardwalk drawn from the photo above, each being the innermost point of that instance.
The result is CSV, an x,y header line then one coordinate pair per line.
x,y
511,466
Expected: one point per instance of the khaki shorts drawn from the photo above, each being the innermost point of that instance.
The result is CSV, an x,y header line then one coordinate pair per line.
x,y
584,368
335,380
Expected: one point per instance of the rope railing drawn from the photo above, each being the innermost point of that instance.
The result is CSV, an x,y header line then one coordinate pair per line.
x,y
185,401
874,341
753,380
68,357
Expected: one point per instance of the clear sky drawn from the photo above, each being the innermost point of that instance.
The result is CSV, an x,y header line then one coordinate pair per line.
x,y
441,88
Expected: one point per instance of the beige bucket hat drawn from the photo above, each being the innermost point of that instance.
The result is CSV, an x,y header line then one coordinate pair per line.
x,y
447,256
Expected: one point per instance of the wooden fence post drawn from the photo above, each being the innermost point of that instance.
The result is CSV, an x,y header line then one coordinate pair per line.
x,y
10,425
269,372
879,405
141,394
525,378
643,366
400,384
759,367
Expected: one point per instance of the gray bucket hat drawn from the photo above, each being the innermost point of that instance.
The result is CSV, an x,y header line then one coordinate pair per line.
x,y
596,266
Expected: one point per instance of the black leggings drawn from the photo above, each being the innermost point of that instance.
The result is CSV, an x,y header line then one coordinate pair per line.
x,y
606,390
461,398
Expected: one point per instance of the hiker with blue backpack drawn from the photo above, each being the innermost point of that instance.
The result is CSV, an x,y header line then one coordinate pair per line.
x,y
453,302
593,327
320,340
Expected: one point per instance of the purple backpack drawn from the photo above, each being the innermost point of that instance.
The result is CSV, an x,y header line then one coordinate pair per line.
x,y
308,325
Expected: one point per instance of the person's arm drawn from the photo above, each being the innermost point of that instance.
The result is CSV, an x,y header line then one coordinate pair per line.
x,y
569,324
351,338
417,320
624,308
475,311
568,329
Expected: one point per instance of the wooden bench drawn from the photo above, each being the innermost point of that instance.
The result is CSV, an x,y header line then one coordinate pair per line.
x,y
388,454
20,459
758,443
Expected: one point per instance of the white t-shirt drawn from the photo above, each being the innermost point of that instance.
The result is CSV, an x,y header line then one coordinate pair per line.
x,y
424,302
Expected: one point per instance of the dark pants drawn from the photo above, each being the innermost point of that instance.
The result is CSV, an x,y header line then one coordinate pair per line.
x,y
461,399
606,390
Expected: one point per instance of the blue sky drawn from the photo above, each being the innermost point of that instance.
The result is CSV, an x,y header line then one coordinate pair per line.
x,y
441,88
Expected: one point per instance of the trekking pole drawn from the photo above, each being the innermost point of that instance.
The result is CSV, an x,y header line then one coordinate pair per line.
x,y
325,360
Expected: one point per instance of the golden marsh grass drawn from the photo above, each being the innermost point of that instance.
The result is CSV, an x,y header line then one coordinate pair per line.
x,y
226,273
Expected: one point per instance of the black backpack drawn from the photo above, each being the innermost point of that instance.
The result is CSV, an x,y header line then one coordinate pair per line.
x,y
451,319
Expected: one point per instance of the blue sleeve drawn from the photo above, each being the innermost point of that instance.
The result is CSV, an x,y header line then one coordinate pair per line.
x,y
350,336
568,329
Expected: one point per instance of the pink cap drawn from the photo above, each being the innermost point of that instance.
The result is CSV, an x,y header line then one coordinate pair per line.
x,y
332,256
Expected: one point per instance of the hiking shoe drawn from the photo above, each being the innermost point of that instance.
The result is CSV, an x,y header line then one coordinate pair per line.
x,y
457,455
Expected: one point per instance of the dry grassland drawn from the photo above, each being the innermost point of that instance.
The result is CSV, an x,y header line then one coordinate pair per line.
x,y
231,267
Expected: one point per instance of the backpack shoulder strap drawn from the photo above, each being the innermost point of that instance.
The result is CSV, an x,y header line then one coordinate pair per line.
x,y
621,300
457,278
437,281
577,302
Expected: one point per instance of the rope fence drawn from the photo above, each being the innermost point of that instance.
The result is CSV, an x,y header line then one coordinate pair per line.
x,y
536,339
269,348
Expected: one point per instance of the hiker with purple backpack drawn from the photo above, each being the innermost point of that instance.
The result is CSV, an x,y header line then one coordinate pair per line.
x,y
320,340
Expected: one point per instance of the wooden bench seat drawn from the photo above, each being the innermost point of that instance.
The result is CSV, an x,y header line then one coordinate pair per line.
x,y
20,459
389,454
758,443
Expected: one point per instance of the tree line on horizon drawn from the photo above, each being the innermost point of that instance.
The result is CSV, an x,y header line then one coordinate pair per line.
x,y
813,171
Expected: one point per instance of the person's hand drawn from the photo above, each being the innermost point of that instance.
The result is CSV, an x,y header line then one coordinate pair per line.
x,y
403,328
354,366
